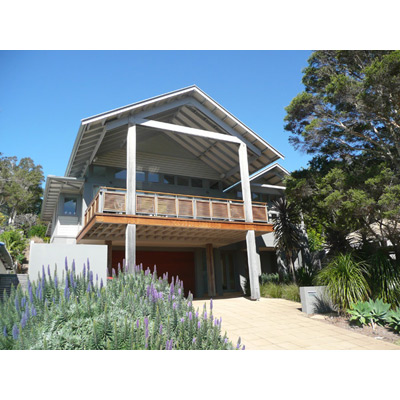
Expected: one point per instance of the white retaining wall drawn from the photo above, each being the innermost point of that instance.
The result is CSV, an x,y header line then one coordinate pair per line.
x,y
54,254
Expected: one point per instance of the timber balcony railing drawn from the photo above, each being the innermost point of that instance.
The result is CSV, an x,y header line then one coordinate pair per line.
x,y
170,205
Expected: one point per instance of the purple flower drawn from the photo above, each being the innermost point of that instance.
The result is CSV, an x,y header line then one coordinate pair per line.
x,y
88,287
71,278
73,265
23,302
15,332
146,333
91,277
5,331
66,292
243,347
137,324
174,306
84,270
194,340
220,321
182,319
43,274
160,331
205,314
190,315
88,265
197,314
16,302
199,325
48,270
189,304
23,321
215,322
211,304
146,322
226,340
66,264
30,292
55,281
179,291
101,283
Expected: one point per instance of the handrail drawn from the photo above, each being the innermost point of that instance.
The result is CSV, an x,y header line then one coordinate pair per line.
x,y
100,198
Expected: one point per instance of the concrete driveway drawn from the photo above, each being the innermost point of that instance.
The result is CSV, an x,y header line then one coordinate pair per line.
x,y
278,324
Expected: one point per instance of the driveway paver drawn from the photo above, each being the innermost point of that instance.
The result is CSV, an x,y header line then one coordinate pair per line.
x,y
278,324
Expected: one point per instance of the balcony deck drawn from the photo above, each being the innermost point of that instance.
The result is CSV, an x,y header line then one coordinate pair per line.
x,y
169,217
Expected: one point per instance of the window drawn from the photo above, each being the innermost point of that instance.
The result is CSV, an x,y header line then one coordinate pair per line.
x,y
169,179
69,206
238,195
140,176
198,183
182,181
153,177
120,174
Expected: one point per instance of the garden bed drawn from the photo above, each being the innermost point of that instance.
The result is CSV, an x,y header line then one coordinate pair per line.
x,y
379,333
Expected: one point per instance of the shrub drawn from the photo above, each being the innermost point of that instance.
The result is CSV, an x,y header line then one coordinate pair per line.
x,y
384,279
379,311
393,319
345,281
360,312
134,311
305,276
280,291
265,278
38,231
15,242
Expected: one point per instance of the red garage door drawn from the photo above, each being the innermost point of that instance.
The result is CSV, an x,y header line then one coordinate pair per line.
x,y
176,263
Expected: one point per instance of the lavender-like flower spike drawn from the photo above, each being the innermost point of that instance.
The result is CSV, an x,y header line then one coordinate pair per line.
x,y
66,264
15,332
73,265
16,302
23,302
5,331
226,340
211,304
199,325
182,319
71,277
205,314
88,265
243,347
174,306
190,315
43,273
55,281
66,293
48,270
146,322
137,324
88,288
194,340
23,321
101,283
84,270
161,327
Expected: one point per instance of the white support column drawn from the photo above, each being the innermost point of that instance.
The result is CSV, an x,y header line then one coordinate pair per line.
x,y
253,257
130,233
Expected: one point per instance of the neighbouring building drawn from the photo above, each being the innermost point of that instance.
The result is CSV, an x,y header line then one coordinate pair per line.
x,y
174,181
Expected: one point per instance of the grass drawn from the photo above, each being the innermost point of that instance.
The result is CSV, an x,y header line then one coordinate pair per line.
x,y
280,291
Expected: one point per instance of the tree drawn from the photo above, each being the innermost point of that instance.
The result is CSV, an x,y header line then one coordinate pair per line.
x,y
20,186
350,106
348,117
287,232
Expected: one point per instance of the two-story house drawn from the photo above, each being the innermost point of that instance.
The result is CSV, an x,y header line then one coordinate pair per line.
x,y
170,181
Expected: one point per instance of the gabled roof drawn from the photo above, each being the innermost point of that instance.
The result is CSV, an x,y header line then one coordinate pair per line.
x,y
188,107
54,186
271,175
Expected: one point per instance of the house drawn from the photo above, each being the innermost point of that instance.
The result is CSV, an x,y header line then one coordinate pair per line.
x,y
174,181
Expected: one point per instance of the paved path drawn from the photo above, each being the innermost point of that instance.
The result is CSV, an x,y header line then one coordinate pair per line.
x,y
278,324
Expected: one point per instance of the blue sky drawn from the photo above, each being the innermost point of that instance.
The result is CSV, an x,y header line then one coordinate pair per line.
x,y
45,94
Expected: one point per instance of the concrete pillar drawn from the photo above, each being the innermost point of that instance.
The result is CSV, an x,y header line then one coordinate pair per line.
x,y
130,232
252,256
109,257
210,270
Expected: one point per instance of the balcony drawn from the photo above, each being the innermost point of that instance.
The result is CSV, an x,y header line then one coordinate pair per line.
x,y
170,205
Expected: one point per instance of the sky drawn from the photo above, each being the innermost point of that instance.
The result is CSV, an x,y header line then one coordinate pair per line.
x,y
45,94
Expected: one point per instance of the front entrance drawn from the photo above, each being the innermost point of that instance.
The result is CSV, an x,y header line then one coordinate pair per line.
x,y
176,263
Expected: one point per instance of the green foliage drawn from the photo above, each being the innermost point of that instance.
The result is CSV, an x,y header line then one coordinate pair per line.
x,y
345,281
38,231
316,241
393,320
379,310
264,278
360,312
15,242
305,276
280,291
384,279
286,231
133,311
20,186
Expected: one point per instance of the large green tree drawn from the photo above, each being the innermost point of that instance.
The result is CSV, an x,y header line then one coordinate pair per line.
x,y
20,186
348,117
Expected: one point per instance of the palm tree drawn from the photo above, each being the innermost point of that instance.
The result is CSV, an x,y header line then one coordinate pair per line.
x,y
287,232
